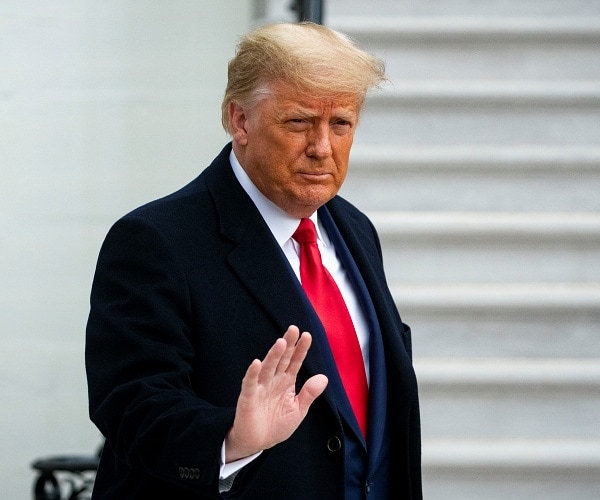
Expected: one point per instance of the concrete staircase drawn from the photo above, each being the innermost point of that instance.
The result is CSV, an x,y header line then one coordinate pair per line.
x,y
480,166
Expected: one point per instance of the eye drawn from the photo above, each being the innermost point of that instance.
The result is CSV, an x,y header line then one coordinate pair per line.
x,y
297,124
342,127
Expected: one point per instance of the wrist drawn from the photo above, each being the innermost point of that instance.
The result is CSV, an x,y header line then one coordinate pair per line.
x,y
235,449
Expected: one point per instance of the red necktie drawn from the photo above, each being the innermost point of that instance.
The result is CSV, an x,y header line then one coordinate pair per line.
x,y
329,304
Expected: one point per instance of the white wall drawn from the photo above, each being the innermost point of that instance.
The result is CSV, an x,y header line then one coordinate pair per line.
x,y
103,105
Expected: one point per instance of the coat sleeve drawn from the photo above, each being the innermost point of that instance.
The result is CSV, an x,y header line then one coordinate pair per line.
x,y
139,351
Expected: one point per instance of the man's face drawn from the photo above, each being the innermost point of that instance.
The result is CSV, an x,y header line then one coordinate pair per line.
x,y
295,149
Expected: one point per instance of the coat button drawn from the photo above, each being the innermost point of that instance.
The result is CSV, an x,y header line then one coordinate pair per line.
x,y
334,444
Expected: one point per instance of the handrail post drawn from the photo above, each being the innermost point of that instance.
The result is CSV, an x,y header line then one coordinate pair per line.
x,y
309,10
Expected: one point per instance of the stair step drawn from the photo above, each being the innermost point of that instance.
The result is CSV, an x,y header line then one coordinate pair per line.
x,y
488,320
475,248
499,296
513,398
516,469
397,225
570,27
487,248
389,120
488,92
462,177
480,48
511,453
393,160
464,373
443,8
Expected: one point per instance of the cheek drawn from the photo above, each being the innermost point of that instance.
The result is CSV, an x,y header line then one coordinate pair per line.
x,y
341,146
342,157
278,172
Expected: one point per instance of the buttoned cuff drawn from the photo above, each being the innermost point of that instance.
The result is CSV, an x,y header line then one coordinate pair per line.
x,y
228,471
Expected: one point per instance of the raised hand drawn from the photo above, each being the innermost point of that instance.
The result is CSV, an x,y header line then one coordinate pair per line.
x,y
268,409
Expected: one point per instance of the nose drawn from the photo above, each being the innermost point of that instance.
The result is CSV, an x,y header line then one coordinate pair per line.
x,y
319,144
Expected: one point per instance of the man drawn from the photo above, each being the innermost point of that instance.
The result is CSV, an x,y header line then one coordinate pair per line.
x,y
192,291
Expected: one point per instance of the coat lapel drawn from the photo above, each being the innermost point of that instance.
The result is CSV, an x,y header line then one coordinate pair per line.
x,y
260,264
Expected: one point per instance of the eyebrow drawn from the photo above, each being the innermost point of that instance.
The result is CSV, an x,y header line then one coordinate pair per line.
x,y
337,113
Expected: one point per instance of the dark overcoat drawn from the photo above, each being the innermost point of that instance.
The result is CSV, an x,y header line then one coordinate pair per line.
x,y
188,290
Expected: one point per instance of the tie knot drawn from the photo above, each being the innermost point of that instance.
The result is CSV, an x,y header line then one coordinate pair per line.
x,y
306,232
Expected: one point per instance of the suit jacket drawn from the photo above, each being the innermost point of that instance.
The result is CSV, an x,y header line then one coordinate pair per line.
x,y
188,290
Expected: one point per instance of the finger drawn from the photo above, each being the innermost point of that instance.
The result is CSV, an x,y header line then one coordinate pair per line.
x,y
271,360
279,354
291,334
250,380
299,354
291,337
310,391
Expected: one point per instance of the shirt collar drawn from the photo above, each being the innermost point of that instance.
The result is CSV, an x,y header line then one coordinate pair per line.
x,y
281,224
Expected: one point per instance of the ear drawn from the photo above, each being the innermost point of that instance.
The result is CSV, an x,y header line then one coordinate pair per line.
x,y
237,122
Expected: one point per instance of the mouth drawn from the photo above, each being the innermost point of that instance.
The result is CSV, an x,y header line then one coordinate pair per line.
x,y
315,176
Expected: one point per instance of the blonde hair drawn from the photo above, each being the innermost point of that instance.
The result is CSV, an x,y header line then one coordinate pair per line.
x,y
312,59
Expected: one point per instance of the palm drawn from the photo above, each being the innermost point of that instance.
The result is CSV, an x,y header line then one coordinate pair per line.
x,y
268,409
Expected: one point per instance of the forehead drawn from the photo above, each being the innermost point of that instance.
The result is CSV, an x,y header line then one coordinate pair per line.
x,y
284,98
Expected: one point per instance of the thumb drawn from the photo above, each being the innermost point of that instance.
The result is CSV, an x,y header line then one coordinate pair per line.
x,y
310,391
